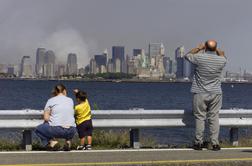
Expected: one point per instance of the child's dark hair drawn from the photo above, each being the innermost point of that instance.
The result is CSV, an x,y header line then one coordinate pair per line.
x,y
81,95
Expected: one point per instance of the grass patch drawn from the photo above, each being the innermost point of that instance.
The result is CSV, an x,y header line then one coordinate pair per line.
x,y
107,139
243,142
8,145
111,139
114,139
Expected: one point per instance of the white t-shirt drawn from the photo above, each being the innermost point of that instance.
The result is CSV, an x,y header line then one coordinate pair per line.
x,y
62,111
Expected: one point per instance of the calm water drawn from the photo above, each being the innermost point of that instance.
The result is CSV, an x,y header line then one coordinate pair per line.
x,y
21,94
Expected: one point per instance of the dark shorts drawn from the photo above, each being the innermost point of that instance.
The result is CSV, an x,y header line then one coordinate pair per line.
x,y
85,128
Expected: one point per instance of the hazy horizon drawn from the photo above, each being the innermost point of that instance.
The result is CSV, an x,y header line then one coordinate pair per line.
x,y
87,27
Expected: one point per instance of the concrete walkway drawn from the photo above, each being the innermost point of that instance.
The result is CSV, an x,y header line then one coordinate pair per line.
x,y
123,157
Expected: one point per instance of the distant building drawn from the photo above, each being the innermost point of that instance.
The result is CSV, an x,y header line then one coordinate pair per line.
x,y
40,60
155,59
118,65
110,66
131,67
180,62
170,70
187,67
16,69
137,52
155,49
49,64
101,62
118,53
11,70
184,68
61,70
92,66
167,64
3,68
87,69
81,71
72,67
26,67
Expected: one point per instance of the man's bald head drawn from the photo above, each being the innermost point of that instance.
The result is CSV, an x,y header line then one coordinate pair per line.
x,y
211,45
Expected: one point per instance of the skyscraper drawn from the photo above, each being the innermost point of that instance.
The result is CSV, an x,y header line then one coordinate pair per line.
x,y
156,54
72,67
180,62
92,65
61,70
26,67
184,68
155,49
101,62
110,66
40,59
118,53
118,65
49,64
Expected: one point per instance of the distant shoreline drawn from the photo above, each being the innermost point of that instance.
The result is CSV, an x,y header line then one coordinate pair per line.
x,y
118,81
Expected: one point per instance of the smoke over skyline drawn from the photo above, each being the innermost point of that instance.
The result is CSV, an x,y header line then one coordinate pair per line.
x,y
87,27
67,41
22,32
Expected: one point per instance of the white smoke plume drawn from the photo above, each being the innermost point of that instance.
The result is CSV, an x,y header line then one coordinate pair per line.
x,y
68,41
26,25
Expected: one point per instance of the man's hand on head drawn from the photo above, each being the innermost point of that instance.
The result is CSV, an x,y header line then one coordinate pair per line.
x,y
220,52
201,46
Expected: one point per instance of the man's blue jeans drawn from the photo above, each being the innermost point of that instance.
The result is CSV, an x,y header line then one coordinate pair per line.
x,y
46,133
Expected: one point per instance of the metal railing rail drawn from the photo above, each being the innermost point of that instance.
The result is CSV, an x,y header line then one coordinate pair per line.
x,y
134,119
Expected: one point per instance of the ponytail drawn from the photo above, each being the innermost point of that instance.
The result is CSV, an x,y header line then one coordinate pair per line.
x,y
58,89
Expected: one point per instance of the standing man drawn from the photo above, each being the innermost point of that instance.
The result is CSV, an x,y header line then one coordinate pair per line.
x,y
209,62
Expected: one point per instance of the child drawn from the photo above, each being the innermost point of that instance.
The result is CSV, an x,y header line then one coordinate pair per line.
x,y
83,120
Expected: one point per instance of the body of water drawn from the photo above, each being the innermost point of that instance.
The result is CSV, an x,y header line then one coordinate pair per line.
x,y
33,94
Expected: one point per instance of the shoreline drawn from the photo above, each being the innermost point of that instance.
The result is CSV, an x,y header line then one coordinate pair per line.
x,y
117,81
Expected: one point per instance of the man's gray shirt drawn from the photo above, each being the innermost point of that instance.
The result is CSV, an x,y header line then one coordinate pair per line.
x,y
208,72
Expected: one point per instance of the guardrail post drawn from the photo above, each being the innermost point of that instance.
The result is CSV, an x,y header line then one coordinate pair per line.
x,y
134,138
27,140
234,136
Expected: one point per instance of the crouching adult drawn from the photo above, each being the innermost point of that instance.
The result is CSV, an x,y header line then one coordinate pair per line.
x,y
59,120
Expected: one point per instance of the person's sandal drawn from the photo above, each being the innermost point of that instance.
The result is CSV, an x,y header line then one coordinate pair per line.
x,y
55,147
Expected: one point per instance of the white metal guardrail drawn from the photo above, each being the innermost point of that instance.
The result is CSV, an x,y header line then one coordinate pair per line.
x,y
134,119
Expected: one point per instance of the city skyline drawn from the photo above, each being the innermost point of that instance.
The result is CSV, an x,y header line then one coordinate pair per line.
x,y
141,65
90,26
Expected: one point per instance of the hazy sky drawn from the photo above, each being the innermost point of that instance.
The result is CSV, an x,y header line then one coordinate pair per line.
x,y
87,27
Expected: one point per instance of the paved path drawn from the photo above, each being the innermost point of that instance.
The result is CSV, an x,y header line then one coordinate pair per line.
x,y
123,157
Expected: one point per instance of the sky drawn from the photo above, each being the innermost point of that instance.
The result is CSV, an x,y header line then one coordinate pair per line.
x,y
87,27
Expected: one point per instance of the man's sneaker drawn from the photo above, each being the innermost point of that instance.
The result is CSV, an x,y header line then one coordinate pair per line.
x,y
88,147
206,145
216,148
81,147
197,146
